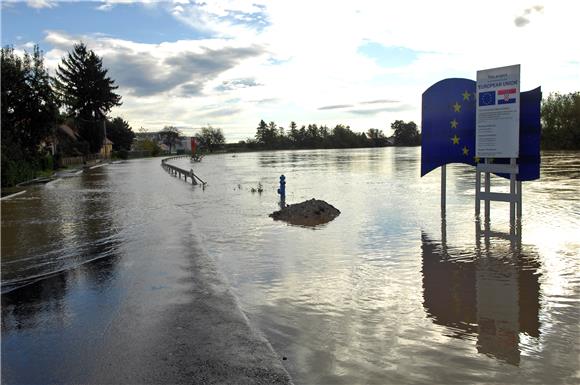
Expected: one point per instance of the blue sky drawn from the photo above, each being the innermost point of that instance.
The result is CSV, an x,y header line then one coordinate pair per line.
x,y
133,22
231,63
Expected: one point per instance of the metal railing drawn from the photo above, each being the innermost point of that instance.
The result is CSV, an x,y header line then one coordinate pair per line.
x,y
179,172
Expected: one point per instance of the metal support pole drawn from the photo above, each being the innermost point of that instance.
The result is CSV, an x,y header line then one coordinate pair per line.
x,y
443,188
519,187
513,194
477,191
487,186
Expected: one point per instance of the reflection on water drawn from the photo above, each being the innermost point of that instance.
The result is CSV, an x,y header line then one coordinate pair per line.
x,y
493,295
375,296
50,233
28,308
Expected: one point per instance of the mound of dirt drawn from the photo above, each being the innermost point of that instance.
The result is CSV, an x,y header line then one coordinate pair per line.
x,y
308,213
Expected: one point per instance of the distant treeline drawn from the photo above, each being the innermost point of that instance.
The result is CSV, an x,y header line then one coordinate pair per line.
x,y
271,136
561,122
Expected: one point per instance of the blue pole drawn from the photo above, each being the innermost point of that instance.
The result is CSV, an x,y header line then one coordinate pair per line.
x,y
282,189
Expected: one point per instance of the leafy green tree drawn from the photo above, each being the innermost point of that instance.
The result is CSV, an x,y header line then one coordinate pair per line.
x,y
324,134
170,135
211,137
121,134
272,134
561,121
343,137
406,134
294,134
376,137
313,139
149,146
28,113
86,91
262,132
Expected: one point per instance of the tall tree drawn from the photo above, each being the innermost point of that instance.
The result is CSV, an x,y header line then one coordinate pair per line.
x,y
561,121
376,137
294,134
211,137
121,134
170,136
28,113
267,134
86,91
272,136
406,134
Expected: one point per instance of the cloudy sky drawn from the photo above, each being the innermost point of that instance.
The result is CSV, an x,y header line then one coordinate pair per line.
x,y
363,63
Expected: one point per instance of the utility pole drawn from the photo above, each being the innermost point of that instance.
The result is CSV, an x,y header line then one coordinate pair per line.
x,y
105,133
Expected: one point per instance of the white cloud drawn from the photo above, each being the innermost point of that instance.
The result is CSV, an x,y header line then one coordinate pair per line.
x,y
41,3
309,58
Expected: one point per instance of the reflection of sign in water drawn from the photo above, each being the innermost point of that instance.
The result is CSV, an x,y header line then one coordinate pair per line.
x,y
482,296
498,113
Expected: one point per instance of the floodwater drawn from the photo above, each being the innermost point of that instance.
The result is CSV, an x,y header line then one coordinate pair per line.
x,y
387,293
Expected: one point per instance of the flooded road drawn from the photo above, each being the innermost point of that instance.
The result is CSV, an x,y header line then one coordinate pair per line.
x,y
385,293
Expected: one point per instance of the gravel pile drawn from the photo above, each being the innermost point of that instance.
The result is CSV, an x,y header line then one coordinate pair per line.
x,y
308,213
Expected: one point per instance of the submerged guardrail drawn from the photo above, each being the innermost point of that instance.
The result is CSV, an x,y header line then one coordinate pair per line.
x,y
179,172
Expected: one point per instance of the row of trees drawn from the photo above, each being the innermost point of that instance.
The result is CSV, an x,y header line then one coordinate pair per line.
x,y
271,136
34,105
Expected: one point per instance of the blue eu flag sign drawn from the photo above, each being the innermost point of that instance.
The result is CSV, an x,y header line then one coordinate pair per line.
x,y
448,127
448,124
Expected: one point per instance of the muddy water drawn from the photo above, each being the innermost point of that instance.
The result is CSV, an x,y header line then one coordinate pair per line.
x,y
388,292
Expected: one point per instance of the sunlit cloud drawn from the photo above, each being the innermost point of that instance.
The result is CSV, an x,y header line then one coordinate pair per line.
x,y
41,3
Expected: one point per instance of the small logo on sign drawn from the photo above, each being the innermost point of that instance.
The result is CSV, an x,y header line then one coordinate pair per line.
x,y
506,96
487,98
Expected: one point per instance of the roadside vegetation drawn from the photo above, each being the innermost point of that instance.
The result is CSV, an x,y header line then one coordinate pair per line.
x,y
45,119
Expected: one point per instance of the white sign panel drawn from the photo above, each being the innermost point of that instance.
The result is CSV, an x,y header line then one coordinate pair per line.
x,y
497,119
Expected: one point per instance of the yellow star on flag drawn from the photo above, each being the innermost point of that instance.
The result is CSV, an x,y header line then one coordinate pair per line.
x,y
454,123
455,139
466,95
457,107
476,159
465,151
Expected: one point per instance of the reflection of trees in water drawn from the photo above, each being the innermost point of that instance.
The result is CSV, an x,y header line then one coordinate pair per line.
x,y
45,300
377,160
487,296
95,239
21,306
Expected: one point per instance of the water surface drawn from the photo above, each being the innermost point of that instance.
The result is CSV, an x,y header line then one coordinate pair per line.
x,y
388,292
